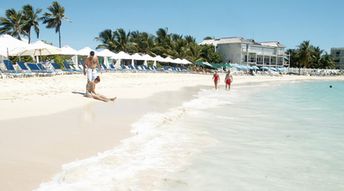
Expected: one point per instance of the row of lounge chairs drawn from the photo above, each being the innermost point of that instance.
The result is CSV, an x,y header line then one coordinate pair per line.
x,y
23,69
35,69
143,68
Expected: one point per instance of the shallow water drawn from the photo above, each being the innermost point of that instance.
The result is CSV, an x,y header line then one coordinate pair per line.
x,y
269,136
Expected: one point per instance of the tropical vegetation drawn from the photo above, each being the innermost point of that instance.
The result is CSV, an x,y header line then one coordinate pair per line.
x,y
20,23
54,17
162,43
307,55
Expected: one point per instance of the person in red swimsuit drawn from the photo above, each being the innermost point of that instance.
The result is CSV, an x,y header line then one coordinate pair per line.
x,y
216,79
228,80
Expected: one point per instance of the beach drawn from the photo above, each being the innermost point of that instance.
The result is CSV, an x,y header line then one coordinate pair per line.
x,y
47,122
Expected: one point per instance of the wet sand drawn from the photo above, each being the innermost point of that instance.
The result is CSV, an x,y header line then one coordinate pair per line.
x,y
34,149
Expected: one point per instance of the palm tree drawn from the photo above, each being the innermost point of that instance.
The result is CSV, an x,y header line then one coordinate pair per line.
x,y
54,18
122,40
293,57
316,56
162,37
305,51
194,53
326,61
141,42
208,38
12,24
107,38
31,19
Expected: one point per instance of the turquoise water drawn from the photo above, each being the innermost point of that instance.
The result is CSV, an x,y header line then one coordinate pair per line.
x,y
274,137
268,136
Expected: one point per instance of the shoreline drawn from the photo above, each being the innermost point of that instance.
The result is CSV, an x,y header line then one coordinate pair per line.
x,y
43,137
41,148
42,93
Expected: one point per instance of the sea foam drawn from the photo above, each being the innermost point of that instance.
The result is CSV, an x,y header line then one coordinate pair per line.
x,y
159,146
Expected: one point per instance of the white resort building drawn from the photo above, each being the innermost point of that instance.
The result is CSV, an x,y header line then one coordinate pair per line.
x,y
249,52
338,57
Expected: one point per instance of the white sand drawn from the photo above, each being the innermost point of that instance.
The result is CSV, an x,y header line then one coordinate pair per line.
x,y
34,144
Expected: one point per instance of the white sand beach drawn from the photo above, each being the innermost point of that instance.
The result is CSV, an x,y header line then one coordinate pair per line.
x,y
46,122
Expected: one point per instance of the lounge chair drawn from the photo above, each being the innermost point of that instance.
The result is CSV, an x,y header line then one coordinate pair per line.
x,y
12,72
68,68
25,70
57,68
112,67
35,69
45,70
131,68
104,67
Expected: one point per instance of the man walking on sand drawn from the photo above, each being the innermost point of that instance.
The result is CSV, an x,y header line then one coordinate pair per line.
x,y
90,67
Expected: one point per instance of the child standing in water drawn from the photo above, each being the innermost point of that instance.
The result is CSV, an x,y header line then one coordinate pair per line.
x,y
216,79
228,80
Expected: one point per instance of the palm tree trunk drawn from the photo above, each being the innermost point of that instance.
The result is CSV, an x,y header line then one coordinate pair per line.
x,y
59,38
29,36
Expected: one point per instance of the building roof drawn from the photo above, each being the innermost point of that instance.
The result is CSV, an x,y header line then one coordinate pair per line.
x,y
272,43
235,40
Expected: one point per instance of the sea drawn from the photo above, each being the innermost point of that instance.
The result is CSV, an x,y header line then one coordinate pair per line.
x,y
281,136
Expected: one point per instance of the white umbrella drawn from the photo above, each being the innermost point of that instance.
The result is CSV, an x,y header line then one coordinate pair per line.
x,y
137,56
122,55
3,53
9,44
178,61
147,57
106,53
169,59
86,51
159,59
38,48
67,50
186,61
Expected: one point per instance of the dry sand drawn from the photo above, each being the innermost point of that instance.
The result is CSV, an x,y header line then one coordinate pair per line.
x,y
46,122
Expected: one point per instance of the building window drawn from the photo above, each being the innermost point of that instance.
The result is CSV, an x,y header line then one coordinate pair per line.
x,y
267,60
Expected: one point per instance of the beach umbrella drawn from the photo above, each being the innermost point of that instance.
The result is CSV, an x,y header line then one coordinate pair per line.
x,y
106,53
67,50
186,61
147,57
134,57
3,53
119,57
159,58
38,48
122,55
169,59
178,61
8,44
86,51
137,56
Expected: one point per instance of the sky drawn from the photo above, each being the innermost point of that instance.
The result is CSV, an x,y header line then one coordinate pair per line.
x,y
289,21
